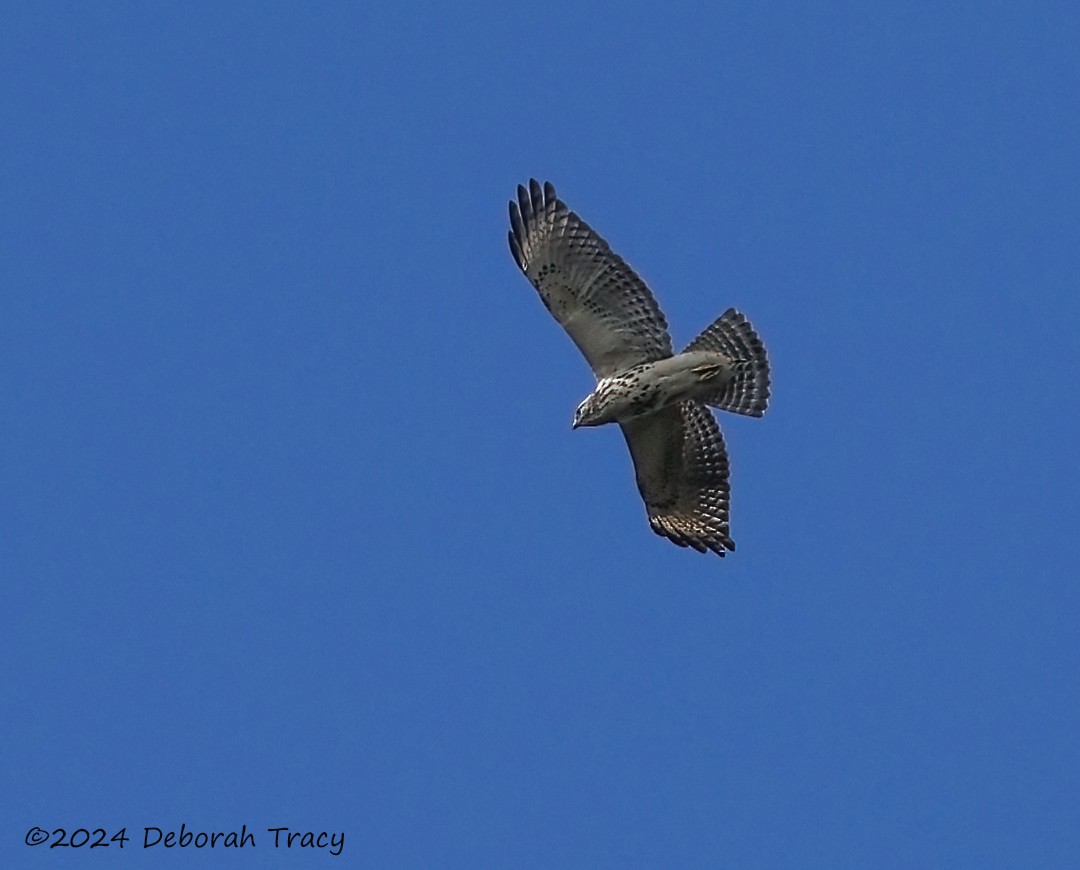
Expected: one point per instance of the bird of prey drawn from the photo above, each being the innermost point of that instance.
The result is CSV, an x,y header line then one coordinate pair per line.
x,y
659,399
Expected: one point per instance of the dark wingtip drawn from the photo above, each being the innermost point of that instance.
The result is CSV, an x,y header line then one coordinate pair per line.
x,y
515,249
534,201
535,197
536,192
524,204
720,544
516,223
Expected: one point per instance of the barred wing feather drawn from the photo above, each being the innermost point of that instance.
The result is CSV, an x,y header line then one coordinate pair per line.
x,y
607,310
682,473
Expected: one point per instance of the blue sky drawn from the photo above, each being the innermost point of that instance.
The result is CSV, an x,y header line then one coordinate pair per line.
x,y
295,531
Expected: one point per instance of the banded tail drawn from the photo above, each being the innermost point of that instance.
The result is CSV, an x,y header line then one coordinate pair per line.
x,y
747,392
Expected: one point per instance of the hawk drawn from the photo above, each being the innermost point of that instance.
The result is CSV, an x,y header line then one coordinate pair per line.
x,y
660,399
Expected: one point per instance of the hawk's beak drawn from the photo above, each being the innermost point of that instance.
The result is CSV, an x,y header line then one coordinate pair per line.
x,y
575,424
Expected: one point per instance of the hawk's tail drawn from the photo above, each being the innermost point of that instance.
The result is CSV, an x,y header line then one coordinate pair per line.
x,y
747,392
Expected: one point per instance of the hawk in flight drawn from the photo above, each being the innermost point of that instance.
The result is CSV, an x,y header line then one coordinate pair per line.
x,y
659,399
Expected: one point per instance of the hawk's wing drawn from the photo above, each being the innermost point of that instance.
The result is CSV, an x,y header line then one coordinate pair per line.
x,y
607,309
682,474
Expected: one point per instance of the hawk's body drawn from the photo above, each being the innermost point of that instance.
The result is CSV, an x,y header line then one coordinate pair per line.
x,y
652,386
656,396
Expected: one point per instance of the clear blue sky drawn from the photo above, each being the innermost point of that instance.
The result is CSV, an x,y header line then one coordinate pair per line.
x,y
293,527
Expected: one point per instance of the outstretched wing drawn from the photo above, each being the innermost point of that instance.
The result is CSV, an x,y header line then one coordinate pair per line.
x,y
606,308
682,473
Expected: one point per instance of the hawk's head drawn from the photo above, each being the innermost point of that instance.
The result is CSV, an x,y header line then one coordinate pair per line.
x,y
591,412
